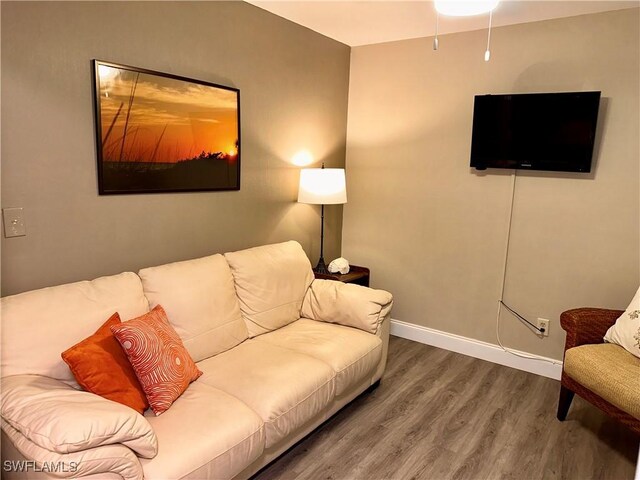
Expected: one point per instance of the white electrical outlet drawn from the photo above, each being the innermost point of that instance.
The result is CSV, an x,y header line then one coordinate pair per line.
x,y
543,323
13,222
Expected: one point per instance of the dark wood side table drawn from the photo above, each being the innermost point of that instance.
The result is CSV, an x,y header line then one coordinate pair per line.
x,y
357,275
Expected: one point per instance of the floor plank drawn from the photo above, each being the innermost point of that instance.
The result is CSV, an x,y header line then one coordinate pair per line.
x,y
442,415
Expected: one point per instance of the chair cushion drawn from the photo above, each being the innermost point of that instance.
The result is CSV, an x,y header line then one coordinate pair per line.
x,y
200,300
285,388
351,353
609,371
271,282
38,325
205,426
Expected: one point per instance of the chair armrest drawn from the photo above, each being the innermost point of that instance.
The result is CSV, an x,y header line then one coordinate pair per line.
x,y
587,325
61,419
27,458
347,304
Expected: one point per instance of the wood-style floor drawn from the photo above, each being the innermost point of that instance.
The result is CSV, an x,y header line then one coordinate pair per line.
x,y
442,415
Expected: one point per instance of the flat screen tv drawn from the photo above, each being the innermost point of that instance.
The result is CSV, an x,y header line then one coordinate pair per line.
x,y
535,131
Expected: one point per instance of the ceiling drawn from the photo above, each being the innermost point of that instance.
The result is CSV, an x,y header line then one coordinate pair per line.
x,y
363,22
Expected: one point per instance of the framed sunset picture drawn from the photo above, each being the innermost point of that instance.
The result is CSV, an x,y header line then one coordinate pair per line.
x,y
157,132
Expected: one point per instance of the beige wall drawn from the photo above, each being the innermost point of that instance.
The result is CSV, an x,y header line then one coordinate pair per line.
x,y
433,231
294,87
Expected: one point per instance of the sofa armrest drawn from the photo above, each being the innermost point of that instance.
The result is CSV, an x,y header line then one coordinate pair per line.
x,y
61,419
587,325
347,304
26,458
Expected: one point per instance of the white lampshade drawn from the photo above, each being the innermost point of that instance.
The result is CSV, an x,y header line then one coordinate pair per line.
x,y
322,186
463,8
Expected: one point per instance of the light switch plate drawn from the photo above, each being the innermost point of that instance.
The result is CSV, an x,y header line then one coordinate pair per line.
x,y
13,222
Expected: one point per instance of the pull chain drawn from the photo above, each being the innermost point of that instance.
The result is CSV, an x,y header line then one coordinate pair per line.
x,y
435,40
487,53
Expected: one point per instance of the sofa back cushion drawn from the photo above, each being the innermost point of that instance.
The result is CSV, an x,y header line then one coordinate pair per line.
x,y
201,304
271,282
39,325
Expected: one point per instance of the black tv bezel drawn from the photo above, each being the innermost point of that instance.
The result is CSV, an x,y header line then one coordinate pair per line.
x,y
537,166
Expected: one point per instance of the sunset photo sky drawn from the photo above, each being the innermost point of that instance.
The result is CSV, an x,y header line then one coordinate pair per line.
x,y
168,120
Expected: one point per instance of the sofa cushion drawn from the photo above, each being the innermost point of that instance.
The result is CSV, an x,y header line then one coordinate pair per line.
x,y
347,304
351,353
38,325
205,427
200,299
609,371
100,366
106,462
61,419
271,282
285,388
162,364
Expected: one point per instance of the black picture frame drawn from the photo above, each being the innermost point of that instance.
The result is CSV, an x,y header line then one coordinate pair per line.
x,y
163,133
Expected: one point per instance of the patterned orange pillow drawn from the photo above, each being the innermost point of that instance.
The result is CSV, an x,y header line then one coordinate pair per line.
x,y
100,366
162,364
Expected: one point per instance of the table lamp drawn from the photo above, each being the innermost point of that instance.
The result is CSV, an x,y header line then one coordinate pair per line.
x,y
322,186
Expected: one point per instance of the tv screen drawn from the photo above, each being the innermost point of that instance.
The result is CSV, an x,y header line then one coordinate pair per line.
x,y
535,131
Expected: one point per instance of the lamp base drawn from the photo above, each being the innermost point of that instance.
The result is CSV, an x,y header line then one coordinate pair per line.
x,y
321,267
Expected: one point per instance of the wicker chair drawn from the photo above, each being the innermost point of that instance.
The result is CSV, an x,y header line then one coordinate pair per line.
x,y
586,326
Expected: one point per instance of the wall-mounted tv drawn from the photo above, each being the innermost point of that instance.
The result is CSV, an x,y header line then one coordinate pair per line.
x,y
535,131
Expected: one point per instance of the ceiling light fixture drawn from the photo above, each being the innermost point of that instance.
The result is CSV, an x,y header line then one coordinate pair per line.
x,y
465,8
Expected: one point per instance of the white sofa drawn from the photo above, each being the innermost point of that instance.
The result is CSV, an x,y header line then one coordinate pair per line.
x,y
280,353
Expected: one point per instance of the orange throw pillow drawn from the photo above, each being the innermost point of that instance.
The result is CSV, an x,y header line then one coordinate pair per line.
x,y
101,367
163,366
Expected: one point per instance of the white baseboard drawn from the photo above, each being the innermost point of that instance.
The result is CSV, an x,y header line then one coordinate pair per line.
x,y
478,349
